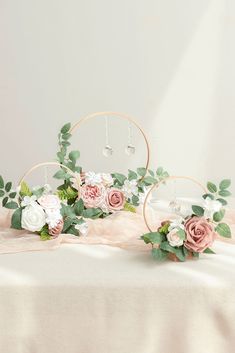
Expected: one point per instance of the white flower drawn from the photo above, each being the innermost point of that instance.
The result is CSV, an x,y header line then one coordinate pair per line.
x,y
210,207
50,202
174,238
33,218
82,228
107,179
176,223
29,200
130,188
53,217
92,178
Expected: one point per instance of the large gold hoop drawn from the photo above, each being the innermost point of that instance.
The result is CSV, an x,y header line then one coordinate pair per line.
x,y
156,186
122,116
44,164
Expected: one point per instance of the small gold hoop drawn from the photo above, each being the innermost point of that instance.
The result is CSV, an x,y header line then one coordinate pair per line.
x,y
122,116
157,186
76,176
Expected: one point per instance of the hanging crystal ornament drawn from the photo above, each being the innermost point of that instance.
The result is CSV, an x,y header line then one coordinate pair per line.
x,y
107,150
174,205
130,148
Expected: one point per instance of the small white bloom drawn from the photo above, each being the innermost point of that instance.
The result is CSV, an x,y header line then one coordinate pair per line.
x,y
92,178
47,189
174,238
176,223
29,200
107,179
33,217
82,228
53,217
210,207
130,188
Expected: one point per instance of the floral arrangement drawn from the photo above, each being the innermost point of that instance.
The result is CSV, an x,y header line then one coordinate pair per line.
x,y
80,195
194,234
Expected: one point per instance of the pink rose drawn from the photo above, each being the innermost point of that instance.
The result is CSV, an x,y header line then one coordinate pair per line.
x,y
200,234
49,202
93,195
115,199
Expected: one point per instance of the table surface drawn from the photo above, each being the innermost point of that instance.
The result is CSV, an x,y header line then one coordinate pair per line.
x,y
87,299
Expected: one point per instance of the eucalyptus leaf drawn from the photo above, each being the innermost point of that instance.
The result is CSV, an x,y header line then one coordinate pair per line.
x,y
224,193
2,193
65,128
8,186
159,171
66,136
132,175
224,184
11,205
205,196
222,201
12,195
92,213
141,171
16,219
223,230
74,155
211,187
1,182
4,201
218,216
198,210
79,207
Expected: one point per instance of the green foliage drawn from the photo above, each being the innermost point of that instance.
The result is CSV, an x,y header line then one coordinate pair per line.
x,y
224,184
129,207
79,207
152,237
141,171
44,233
66,128
208,251
224,230
159,254
198,210
164,228
211,187
1,182
67,193
16,219
11,205
224,193
119,178
218,216
25,190
132,175
92,213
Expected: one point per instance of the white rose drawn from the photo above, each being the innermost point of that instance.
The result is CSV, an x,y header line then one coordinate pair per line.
x,y
107,179
174,238
33,218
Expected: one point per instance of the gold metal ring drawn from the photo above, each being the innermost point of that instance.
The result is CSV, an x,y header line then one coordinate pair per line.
x,y
157,186
120,115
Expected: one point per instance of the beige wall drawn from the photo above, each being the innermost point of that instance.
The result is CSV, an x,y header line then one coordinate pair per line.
x,y
169,63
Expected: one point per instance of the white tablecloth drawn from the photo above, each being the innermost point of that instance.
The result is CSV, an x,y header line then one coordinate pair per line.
x,y
99,299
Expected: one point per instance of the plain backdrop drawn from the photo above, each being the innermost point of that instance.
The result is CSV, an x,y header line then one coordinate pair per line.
x,y
167,63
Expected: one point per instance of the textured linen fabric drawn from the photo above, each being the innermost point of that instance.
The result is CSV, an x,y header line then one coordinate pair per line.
x,y
89,299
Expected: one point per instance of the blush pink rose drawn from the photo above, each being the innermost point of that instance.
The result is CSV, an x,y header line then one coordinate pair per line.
x,y
49,202
200,234
115,199
93,195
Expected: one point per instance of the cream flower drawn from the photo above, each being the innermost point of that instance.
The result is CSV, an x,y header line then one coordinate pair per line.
x,y
107,179
174,238
130,188
50,202
33,218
